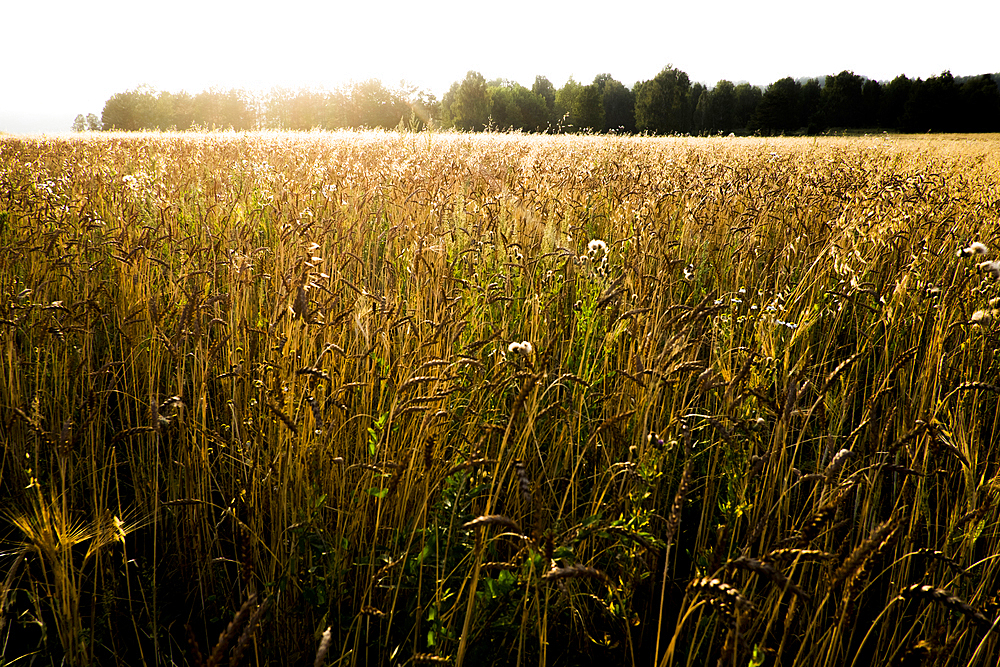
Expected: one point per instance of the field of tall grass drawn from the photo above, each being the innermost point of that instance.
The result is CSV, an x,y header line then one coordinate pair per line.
x,y
403,399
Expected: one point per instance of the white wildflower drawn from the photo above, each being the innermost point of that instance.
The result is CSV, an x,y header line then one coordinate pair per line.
x,y
597,245
992,268
975,248
982,318
523,348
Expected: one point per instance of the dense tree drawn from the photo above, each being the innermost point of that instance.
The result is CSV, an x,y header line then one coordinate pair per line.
x,y
779,108
810,106
512,106
131,111
933,105
589,109
668,103
871,98
980,98
371,104
841,100
619,105
543,87
721,108
565,106
892,106
747,99
79,123
222,109
661,104
468,103
426,108
696,105
505,113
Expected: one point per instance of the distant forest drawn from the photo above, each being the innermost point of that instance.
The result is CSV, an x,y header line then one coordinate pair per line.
x,y
666,104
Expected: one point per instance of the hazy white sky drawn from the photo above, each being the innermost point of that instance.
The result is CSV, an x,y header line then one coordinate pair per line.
x,y
65,57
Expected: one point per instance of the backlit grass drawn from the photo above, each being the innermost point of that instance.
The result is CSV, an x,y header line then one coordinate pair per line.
x,y
381,398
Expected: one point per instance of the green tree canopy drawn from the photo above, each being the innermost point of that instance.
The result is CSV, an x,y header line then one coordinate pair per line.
x,y
468,103
661,104
779,106
618,102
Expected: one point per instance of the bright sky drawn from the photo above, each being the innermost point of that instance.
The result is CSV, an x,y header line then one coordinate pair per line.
x,y
64,57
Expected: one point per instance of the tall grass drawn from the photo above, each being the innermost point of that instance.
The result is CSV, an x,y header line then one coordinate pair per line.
x,y
371,398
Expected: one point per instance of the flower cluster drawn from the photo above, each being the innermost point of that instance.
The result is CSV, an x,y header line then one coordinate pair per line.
x,y
523,348
597,246
597,256
984,317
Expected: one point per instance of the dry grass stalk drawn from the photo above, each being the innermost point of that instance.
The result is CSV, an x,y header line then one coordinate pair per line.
x,y
674,520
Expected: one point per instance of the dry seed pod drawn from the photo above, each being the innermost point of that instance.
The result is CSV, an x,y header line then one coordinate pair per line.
x,y
285,419
317,411
722,591
577,571
791,554
229,634
673,521
196,656
314,372
428,452
241,645
814,525
493,520
833,469
946,598
769,572
934,554
324,647
523,482
880,534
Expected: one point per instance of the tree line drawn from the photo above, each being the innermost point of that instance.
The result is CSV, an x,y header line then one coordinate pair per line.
x,y
669,103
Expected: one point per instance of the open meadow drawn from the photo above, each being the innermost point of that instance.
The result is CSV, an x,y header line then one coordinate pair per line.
x,y
433,398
